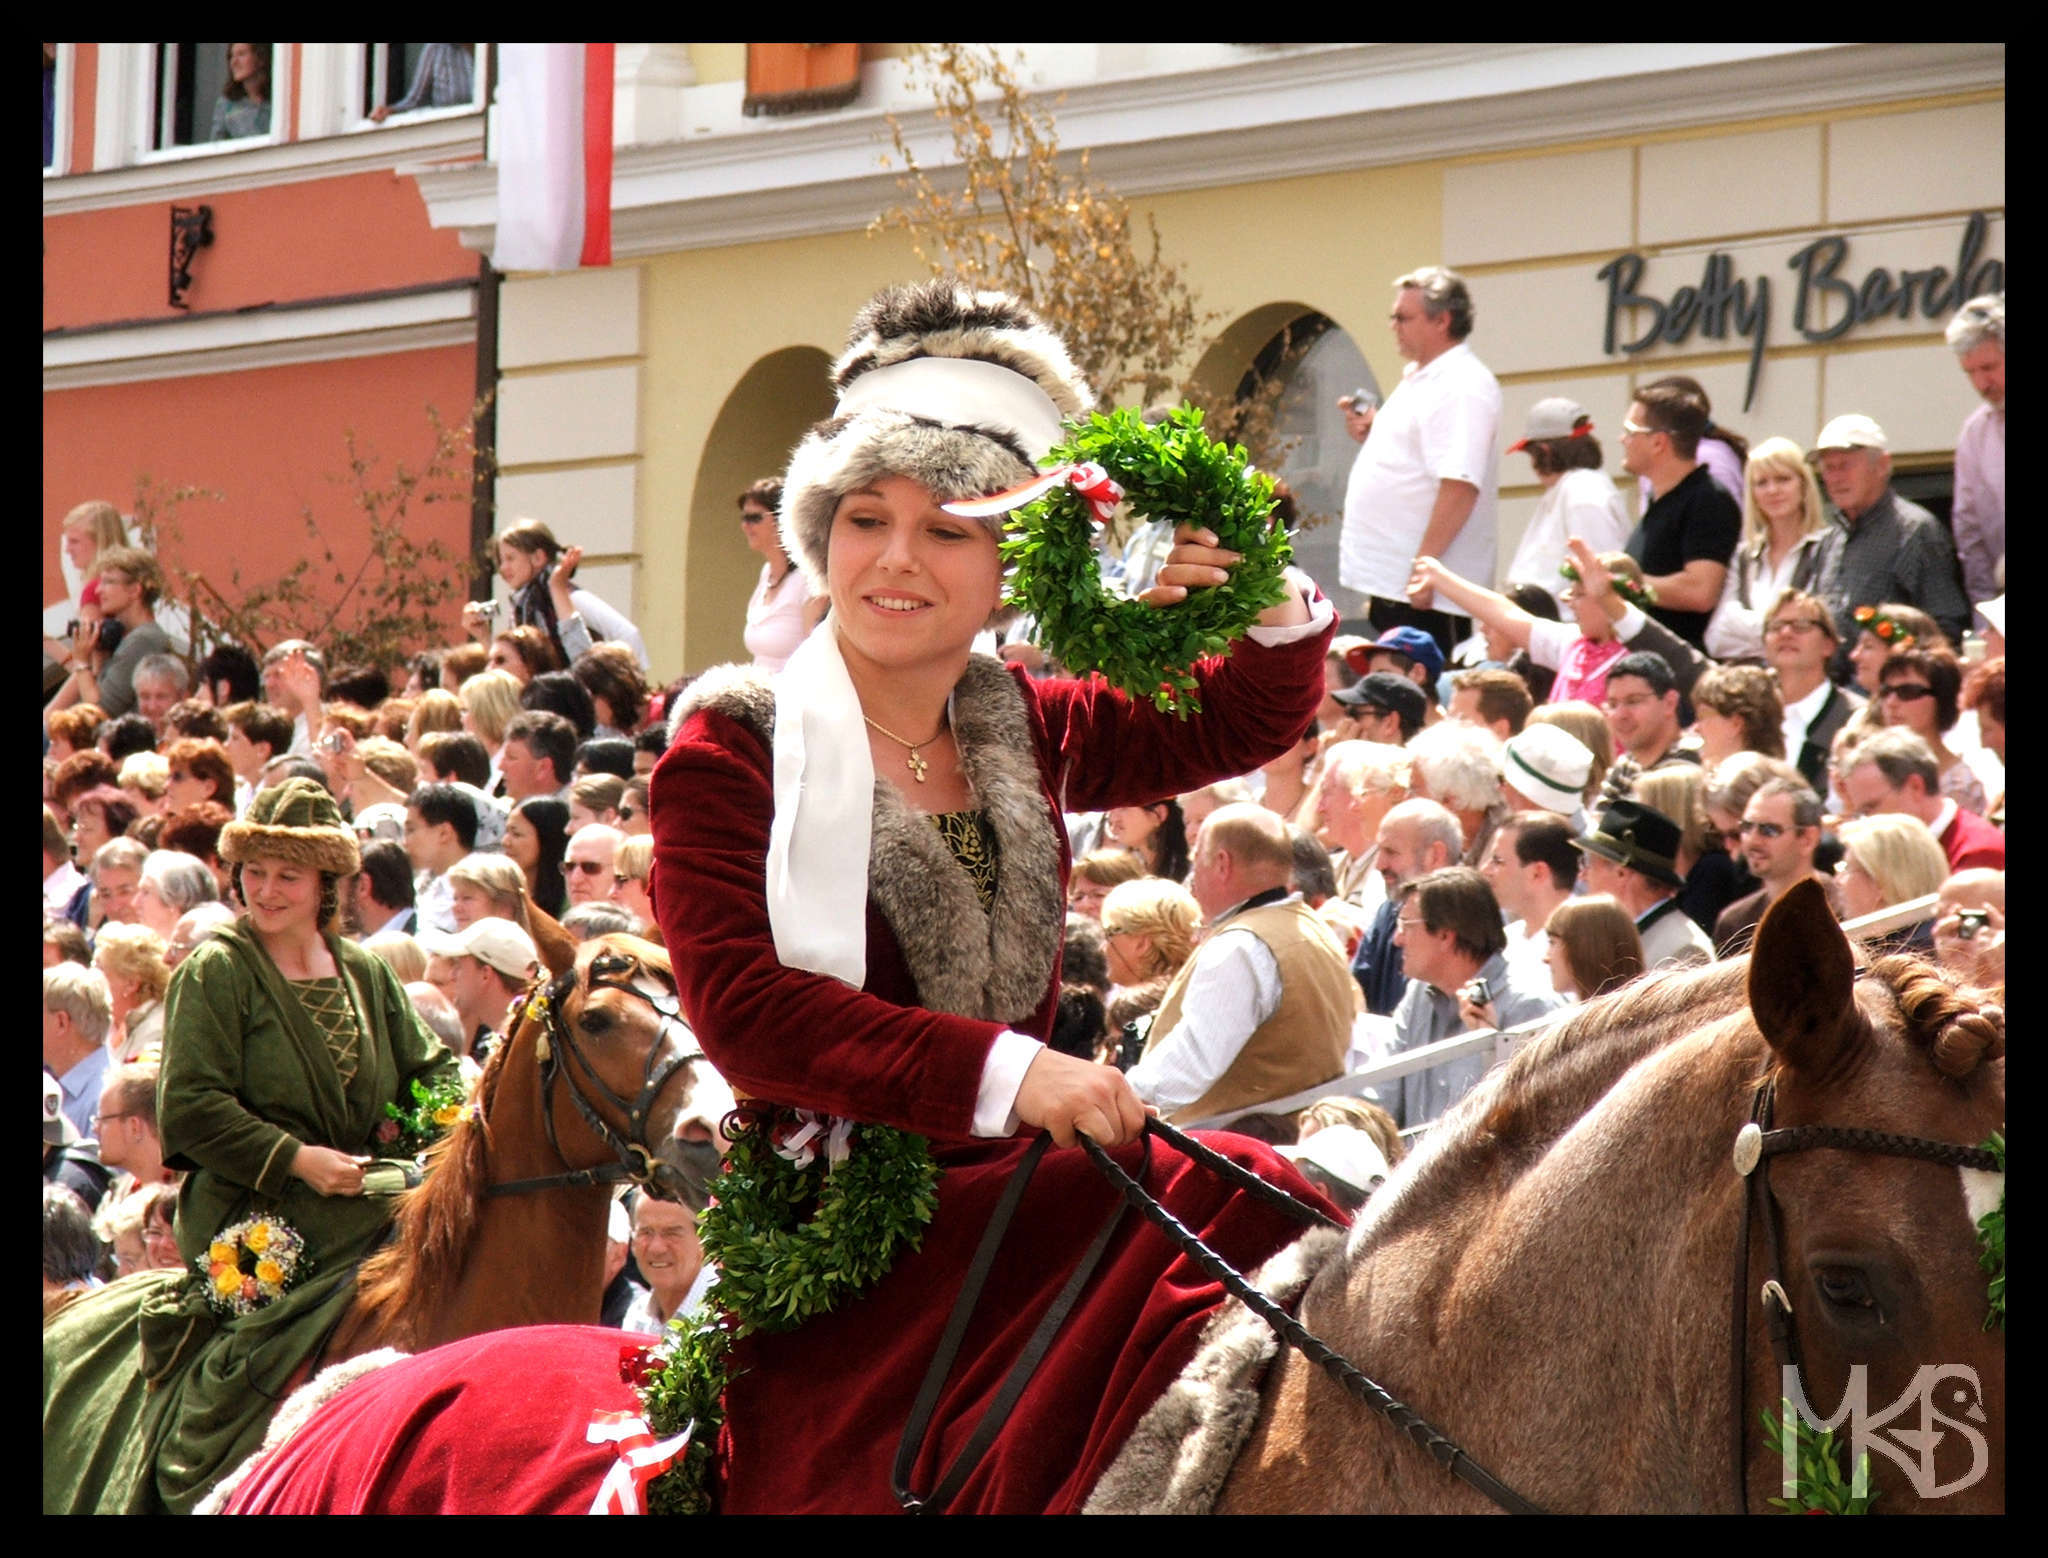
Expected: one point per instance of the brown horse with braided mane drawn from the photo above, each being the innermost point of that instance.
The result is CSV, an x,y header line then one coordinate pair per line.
x,y
1552,1280
597,1081
1563,1279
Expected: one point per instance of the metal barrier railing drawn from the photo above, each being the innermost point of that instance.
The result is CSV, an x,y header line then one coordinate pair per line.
x,y
1504,1042
1500,1043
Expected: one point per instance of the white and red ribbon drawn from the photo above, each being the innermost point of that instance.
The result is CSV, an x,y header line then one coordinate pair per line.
x,y
641,1460
837,1134
1090,480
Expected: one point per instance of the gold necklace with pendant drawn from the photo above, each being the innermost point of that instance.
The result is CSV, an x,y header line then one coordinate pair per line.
x,y
917,765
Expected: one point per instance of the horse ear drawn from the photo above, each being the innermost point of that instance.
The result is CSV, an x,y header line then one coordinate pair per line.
x,y
1802,981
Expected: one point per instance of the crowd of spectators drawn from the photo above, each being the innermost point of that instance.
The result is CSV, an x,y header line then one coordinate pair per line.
x,y
1513,799
497,789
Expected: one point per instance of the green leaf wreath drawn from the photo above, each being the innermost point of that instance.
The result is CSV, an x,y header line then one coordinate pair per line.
x,y
1172,472
1819,1486
789,1242
1991,1235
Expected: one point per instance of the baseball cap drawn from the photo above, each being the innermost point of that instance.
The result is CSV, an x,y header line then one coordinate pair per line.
x,y
1854,431
57,1130
1554,417
1549,765
1387,693
1345,1153
1413,643
385,820
499,943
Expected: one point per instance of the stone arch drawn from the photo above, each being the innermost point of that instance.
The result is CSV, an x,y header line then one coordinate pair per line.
x,y
1324,362
761,421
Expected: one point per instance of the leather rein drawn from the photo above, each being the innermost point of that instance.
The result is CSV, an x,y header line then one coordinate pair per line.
x,y
1755,1145
561,1055
1446,1452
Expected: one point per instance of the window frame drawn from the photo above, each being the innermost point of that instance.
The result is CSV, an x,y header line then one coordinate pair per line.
x,y
358,120
146,112
63,107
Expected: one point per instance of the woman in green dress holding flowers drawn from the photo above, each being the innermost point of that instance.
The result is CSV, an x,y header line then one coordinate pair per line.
x,y
283,1043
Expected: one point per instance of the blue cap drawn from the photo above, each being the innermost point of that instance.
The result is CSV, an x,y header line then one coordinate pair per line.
x,y
1416,645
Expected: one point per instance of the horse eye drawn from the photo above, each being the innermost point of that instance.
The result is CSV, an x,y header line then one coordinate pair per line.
x,y
596,1021
1844,1287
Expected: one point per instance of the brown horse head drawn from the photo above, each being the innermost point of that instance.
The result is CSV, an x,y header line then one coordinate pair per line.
x,y
468,1257
1880,1253
613,1031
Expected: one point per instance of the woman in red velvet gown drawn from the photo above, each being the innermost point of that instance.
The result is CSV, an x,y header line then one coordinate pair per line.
x,y
860,874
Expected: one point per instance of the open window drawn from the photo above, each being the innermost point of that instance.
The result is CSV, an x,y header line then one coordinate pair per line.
x,y
404,81
208,94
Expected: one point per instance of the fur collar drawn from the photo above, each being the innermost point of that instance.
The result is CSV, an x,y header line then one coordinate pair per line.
x,y
994,966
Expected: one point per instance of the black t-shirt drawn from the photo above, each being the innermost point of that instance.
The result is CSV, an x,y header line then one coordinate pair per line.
x,y
1694,520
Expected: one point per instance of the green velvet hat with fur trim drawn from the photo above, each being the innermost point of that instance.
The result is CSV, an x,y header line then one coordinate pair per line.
x,y
296,822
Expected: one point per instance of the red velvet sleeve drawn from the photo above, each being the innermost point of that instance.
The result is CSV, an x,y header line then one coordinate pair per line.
x,y
1105,749
781,1033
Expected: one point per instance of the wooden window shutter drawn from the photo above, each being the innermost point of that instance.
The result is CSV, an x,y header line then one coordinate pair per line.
x,y
801,78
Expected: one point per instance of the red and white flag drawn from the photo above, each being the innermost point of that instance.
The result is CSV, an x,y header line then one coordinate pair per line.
x,y
554,156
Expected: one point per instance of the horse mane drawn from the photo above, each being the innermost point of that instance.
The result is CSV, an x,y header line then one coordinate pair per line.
x,y
433,1224
1512,1117
1957,1032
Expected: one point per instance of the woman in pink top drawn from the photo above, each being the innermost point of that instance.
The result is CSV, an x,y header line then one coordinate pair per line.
x,y
1580,651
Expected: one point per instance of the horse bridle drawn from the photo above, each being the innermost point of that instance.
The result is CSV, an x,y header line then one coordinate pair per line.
x,y
1755,1145
557,1041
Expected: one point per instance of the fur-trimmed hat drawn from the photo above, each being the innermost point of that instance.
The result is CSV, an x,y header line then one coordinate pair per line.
x,y
296,822
960,390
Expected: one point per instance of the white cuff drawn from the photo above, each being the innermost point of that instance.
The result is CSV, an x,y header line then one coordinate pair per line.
x,y
1320,612
1002,1077
1630,622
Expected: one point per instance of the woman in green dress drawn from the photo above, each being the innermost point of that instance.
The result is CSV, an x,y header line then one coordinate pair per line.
x,y
283,1043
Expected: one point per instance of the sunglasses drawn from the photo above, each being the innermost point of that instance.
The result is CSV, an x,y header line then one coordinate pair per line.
x,y
627,814
1634,429
620,879
1768,830
754,519
1909,691
587,867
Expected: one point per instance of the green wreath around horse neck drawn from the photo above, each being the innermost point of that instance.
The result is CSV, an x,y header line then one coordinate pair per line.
x,y
1172,472
778,1268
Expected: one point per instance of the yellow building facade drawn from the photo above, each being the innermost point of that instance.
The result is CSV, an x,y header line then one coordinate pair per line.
x,y
1589,193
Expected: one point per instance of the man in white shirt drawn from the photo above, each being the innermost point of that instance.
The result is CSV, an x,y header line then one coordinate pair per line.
x,y
1264,1008
440,828
1579,498
1532,868
1425,483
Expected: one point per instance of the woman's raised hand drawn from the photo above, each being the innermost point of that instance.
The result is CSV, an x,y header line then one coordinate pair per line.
x,y
1072,1097
329,1172
564,571
477,617
1197,559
